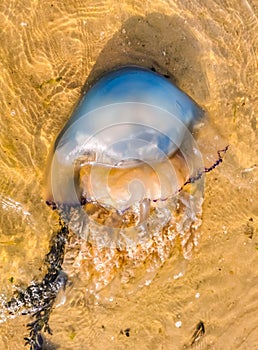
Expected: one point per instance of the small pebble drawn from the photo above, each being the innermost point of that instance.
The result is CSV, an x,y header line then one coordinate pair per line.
x,y
178,324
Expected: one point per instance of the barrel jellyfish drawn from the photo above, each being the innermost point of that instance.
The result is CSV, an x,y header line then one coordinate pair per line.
x,y
121,174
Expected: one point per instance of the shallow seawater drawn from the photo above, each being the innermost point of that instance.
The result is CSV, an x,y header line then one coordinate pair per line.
x,y
48,50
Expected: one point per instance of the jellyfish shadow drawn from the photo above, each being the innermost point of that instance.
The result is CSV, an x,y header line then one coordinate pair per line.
x,y
162,43
168,46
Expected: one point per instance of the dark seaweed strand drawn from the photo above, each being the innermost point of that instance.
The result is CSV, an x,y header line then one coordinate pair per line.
x,y
39,297
208,169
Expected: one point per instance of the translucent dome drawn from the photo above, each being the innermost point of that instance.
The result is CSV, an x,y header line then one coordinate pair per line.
x,y
126,150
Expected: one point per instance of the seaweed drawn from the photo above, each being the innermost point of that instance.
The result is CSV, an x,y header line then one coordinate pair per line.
x,y
39,297
207,169
50,82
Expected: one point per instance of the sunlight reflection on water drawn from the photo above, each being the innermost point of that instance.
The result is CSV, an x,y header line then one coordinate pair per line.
x,y
209,51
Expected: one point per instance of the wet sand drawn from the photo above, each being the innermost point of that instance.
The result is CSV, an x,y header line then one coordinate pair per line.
x,y
48,50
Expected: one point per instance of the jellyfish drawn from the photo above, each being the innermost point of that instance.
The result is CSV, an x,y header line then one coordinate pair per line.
x,y
126,176
126,149
118,172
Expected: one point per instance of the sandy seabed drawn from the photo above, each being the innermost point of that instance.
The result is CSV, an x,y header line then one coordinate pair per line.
x,y
48,50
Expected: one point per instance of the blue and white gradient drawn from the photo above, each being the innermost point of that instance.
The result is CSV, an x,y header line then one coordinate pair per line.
x,y
132,125
138,86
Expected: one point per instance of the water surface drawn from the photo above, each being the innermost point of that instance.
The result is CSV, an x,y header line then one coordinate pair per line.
x,y
48,50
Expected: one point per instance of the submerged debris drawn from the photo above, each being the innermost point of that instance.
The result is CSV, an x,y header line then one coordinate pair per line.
x,y
126,332
39,297
198,333
249,228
